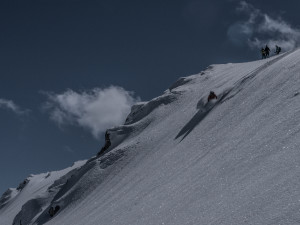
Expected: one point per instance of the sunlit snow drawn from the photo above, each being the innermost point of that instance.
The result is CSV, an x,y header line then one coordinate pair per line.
x,y
178,160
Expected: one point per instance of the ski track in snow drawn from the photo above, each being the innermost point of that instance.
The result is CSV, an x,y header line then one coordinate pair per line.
x,y
179,160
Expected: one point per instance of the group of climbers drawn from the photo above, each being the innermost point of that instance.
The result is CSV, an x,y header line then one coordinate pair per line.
x,y
265,52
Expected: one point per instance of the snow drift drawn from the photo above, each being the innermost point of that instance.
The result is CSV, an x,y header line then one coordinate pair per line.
x,y
179,160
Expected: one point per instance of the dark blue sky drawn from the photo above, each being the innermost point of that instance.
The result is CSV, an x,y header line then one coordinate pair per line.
x,y
142,46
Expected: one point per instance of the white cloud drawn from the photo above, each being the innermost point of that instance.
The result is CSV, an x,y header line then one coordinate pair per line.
x,y
10,105
95,110
261,29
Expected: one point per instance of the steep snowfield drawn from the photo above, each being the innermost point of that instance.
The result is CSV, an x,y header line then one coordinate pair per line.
x,y
178,160
33,195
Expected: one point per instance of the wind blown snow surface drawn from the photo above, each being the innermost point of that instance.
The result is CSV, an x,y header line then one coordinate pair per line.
x,y
178,160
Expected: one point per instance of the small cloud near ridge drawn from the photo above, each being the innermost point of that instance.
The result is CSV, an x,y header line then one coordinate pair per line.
x,y
95,110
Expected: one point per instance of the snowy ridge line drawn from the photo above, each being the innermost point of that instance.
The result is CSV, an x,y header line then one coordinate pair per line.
x,y
181,81
238,85
141,110
33,195
264,66
36,209
6,196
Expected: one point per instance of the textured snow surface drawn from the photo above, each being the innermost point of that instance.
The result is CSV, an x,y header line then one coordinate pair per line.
x,y
178,160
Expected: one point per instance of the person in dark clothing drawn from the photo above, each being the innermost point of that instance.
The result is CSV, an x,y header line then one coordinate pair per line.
x,y
107,140
107,136
278,50
56,209
263,53
267,51
211,96
51,211
106,145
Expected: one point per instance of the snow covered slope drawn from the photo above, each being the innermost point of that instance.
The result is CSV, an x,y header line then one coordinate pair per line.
x,y
178,160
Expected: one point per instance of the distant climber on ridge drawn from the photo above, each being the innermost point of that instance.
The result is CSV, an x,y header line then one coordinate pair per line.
x,y
267,51
263,53
211,96
106,145
278,50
